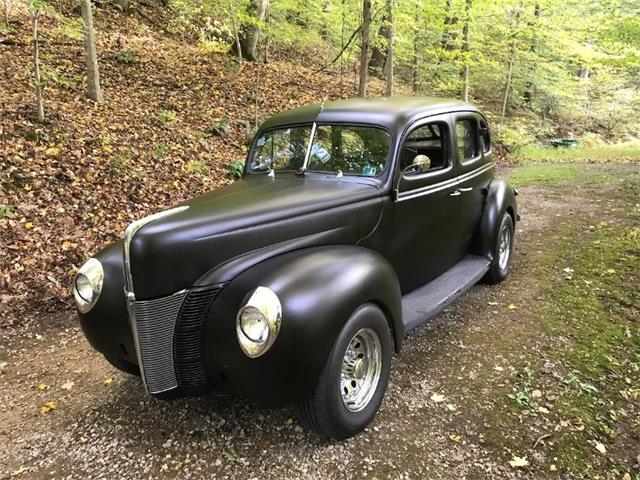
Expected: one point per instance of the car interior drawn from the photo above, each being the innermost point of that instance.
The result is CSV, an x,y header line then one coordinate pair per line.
x,y
429,140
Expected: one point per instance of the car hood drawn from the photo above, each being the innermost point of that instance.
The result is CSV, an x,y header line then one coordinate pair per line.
x,y
173,252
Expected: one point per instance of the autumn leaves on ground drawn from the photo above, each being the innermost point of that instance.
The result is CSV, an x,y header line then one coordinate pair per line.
x,y
536,378
174,119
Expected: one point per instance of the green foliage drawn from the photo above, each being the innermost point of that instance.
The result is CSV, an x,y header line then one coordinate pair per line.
x,y
167,116
627,151
196,167
5,210
235,169
221,128
126,57
70,28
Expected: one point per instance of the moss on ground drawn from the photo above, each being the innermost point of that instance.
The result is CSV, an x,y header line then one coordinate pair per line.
x,y
592,304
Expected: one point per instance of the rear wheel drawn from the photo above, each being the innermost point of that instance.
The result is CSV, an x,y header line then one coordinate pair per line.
x,y
502,251
354,380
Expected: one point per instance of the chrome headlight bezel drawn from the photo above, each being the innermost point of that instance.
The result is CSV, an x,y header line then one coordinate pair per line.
x,y
89,279
264,302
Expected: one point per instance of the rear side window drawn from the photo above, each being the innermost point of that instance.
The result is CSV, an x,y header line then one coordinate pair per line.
x,y
467,140
485,138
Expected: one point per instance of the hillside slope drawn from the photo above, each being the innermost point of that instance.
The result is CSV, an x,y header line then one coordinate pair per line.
x,y
71,186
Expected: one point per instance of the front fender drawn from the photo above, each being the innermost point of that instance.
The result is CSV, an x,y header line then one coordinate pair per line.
x,y
500,198
319,289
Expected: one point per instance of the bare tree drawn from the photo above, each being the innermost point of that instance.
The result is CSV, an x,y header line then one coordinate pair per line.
x,y
389,64
512,56
35,7
416,37
465,49
90,55
364,48
236,33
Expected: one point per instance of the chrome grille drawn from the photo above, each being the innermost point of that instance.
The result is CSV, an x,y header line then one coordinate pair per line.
x,y
155,322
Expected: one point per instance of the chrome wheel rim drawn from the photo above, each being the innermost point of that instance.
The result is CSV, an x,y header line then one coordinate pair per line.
x,y
504,247
361,368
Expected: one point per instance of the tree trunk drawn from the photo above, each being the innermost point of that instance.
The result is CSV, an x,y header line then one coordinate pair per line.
x,y
389,64
465,50
236,34
530,85
416,30
90,55
257,11
507,85
6,12
364,48
36,65
448,34
378,59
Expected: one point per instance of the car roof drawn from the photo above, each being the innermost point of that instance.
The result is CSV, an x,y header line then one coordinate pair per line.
x,y
389,112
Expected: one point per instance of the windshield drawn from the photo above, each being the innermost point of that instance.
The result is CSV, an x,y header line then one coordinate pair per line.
x,y
351,150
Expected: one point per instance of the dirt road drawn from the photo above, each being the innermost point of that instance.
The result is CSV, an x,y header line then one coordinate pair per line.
x,y
100,423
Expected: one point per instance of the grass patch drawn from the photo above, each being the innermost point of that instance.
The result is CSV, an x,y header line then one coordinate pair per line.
x,y
623,152
544,174
593,305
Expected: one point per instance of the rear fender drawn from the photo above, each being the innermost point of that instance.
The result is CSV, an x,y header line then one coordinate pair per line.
x,y
500,198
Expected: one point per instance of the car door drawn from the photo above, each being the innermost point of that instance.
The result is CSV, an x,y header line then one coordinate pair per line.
x,y
475,170
425,235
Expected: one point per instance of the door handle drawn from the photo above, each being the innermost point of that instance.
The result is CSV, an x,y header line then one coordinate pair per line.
x,y
466,189
455,194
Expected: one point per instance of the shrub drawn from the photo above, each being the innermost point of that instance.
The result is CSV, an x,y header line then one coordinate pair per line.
x,y
235,169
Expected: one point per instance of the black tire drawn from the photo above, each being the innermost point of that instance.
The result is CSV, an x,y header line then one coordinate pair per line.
x,y
124,366
498,270
324,409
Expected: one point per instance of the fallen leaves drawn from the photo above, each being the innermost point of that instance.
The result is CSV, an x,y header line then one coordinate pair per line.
x,y
68,385
512,306
600,447
108,381
519,462
42,387
455,438
47,407
437,398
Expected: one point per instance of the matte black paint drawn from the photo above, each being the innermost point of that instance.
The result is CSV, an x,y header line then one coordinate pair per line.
x,y
324,245
320,288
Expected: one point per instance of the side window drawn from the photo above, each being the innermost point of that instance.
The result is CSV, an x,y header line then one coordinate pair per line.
x,y
428,141
485,138
466,140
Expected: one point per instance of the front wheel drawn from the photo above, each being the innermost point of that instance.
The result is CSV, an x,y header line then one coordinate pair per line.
x,y
502,251
354,380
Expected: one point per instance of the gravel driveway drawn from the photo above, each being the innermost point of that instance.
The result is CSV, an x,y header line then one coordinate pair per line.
x,y
101,424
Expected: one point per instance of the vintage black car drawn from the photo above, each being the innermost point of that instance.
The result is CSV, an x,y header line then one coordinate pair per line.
x,y
354,222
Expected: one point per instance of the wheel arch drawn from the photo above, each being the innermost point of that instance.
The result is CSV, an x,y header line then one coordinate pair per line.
x,y
319,288
500,199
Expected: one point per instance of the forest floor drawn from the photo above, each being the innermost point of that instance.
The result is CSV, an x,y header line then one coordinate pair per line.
x,y
175,116
538,377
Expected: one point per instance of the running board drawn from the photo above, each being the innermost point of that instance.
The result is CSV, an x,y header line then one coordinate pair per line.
x,y
425,302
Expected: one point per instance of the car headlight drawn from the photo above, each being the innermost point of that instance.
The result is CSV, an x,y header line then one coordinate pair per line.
x,y
258,322
88,285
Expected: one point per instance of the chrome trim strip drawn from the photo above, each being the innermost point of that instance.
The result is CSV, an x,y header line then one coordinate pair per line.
x,y
444,184
129,294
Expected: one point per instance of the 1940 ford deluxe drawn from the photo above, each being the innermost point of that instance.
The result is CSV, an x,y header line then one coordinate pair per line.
x,y
354,222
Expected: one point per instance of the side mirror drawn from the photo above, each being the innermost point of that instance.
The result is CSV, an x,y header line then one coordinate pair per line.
x,y
420,164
